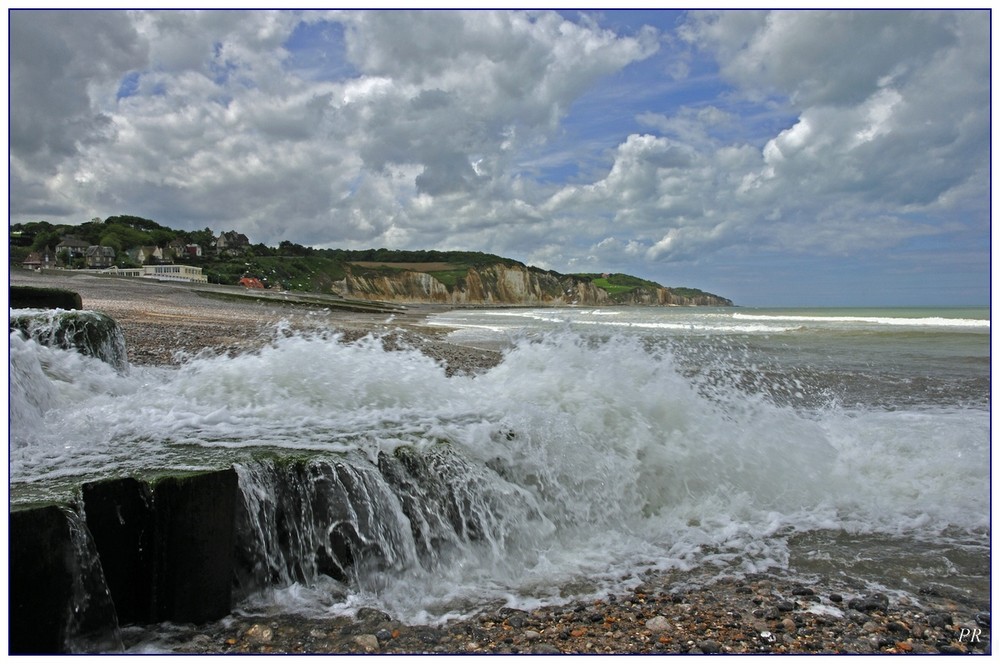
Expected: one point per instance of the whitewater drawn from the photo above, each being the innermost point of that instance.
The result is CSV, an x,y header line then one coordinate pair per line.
x,y
605,445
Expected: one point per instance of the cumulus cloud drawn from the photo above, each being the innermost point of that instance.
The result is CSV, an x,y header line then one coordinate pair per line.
x,y
891,111
822,58
210,123
557,141
65,62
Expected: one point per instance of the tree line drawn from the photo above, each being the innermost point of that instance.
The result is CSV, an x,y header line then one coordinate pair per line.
x,y
125,232
121,233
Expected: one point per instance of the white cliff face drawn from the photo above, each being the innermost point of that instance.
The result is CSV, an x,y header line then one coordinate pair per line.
x,y
500,284
404,286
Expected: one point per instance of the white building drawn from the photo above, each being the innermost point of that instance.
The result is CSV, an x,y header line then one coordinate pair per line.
x,y
160,272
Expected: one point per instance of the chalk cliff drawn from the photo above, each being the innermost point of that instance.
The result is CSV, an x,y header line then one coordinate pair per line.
x,y
502,284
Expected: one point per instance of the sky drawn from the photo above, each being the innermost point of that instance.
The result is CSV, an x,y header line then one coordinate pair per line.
x,y
777,158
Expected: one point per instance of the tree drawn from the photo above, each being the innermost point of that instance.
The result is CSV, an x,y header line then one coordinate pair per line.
x,y
287,248
90,231
122,260
204,239
137,223
123,238
46,238
162,237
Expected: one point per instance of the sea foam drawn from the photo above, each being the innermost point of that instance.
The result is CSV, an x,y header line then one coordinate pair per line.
x,y
612,457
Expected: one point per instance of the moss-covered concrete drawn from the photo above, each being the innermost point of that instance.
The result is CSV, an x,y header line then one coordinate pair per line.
x,y
88,332
40,580
194,537
58,602
138,553
120,519
32,297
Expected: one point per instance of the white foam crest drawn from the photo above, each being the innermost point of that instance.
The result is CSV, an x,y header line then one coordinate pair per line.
x,y
632,461
313,393
302,392
692,326
31,392
611,321
48,382
610,421
930,321
574,418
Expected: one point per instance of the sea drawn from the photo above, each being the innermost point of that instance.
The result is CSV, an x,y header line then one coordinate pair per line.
x,y
607,445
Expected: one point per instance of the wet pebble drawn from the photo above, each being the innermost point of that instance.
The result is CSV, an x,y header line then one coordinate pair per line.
x,y
259,634
939,619
718,619
658,624
367,642
869,603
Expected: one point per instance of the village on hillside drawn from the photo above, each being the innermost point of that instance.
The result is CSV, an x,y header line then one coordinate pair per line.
x,y
157,262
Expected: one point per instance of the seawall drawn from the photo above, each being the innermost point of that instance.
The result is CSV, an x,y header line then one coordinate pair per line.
x,y
130,552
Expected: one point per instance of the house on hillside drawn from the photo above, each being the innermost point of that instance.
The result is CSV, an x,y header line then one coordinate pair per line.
x,y
145,255
36,260
73,246
180,249
231,242
174,249
99,257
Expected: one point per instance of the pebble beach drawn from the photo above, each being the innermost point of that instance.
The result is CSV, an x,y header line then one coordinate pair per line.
x,y
775,612
166,322
765,614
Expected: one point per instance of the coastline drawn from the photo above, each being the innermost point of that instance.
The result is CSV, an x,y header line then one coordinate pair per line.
x,y
165,322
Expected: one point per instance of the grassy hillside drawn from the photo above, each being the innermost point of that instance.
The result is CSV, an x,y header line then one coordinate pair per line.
x,y
290,266
314,274
616,284
620,285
